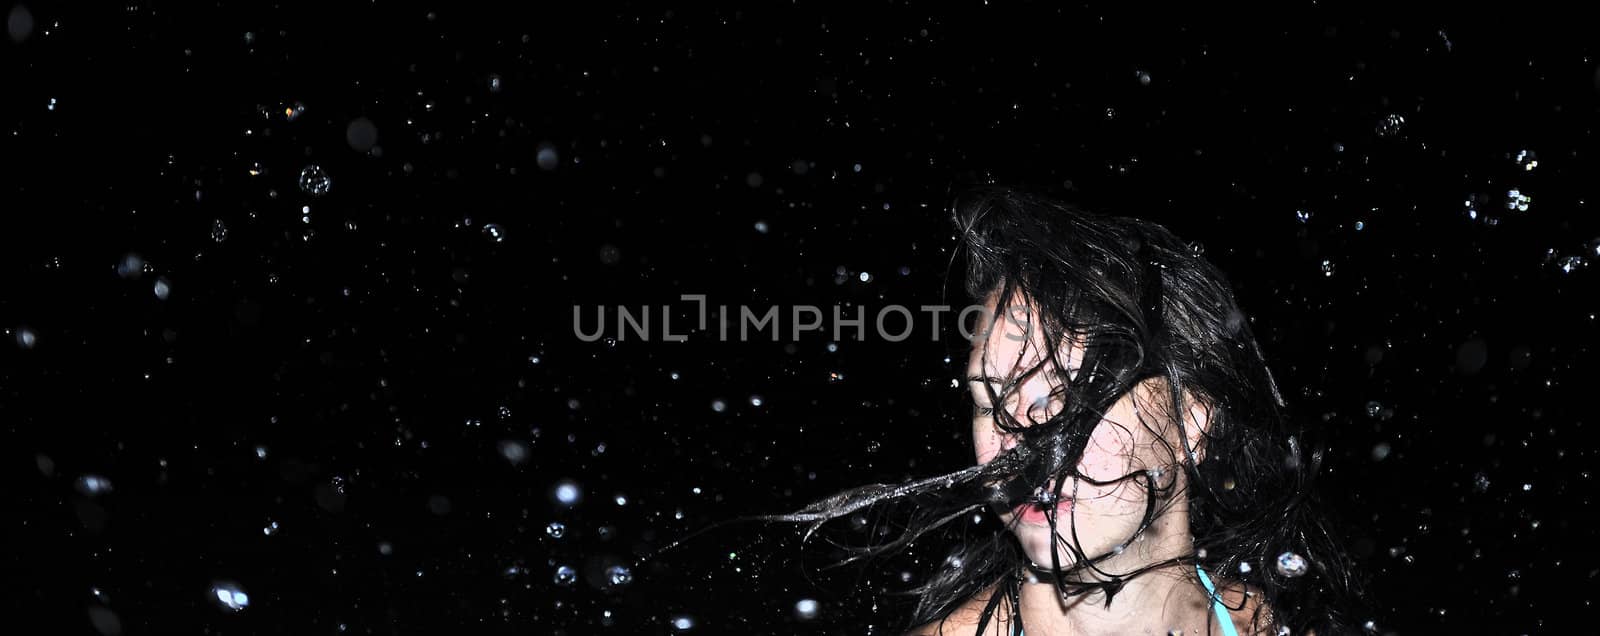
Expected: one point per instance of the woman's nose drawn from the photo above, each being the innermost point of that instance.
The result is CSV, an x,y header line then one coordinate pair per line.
x,y
1032,409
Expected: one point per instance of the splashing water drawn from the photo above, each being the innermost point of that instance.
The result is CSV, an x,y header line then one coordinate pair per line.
x,y
1291,564
230,596
93,485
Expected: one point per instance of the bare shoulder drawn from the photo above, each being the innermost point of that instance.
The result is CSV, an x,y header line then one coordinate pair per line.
x,y
963,620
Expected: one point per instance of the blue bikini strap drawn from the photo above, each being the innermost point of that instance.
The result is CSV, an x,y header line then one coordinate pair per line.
x,y
1216,604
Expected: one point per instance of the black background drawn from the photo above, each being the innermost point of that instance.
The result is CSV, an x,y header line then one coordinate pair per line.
x,y
382,347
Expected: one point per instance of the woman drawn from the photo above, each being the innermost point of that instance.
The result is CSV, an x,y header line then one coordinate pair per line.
x,y
1130,439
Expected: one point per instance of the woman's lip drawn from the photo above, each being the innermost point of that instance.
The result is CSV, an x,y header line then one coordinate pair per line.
x,y
1035,514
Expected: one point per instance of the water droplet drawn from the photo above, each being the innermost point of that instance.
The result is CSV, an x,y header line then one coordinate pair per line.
x,y
270,529
621,499
1516,200
1244,568
1570,264
1380,451
1327,267
514,451
1291,564
314,181
162,289
806,609
567,492
619,575
1390,125
683,623
494,83
495,233
556,529
361,134
261,452
26,338
1527,160
1480,482
1302,216
719,405
385,548
866,277
131,266
19,23
1374,408
104,620
93,485
755,400
229,595
219,231
761,226
547,158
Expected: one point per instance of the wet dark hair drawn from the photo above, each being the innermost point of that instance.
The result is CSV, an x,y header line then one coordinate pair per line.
x,y
1146,306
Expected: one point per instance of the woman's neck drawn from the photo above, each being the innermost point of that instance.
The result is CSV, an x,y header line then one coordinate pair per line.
x,y
1155,601
1144,605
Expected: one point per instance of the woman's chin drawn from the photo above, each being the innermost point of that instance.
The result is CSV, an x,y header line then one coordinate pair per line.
x,y
1036,545
1042,562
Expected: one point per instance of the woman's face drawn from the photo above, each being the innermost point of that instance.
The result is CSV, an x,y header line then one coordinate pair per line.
x,y
1010,344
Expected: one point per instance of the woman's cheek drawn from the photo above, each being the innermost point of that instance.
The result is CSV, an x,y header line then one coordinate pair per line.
x,y
1106,455
985,446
